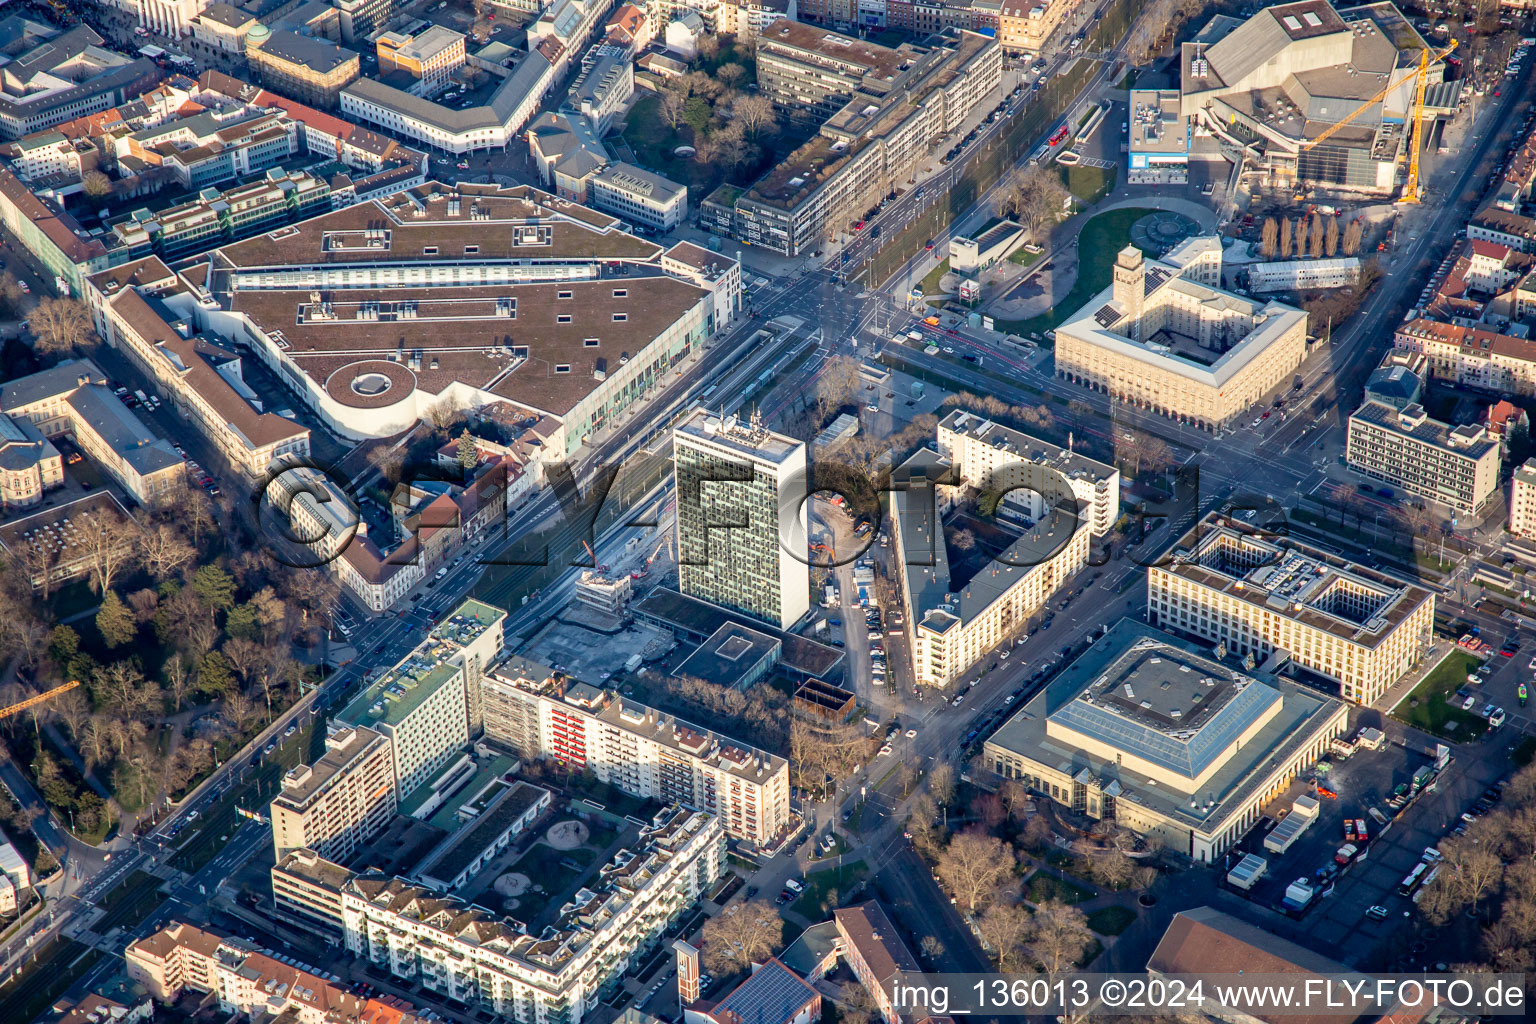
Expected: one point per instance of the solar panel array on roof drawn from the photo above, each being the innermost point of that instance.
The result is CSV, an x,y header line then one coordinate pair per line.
x,y
1106,316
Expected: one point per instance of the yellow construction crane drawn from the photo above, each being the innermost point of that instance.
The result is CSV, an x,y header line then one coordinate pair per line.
x,y
15,709
1416,137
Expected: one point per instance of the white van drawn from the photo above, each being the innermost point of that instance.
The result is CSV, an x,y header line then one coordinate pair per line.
x,y
793,885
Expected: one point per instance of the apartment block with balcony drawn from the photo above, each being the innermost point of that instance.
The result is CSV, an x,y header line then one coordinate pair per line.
x,y
341,801
428,704
642,751
462,952
1522,501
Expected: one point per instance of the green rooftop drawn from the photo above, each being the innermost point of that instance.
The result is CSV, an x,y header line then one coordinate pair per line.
x,y
394,696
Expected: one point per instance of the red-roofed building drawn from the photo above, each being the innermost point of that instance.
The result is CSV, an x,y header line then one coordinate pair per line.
x,y
1472,356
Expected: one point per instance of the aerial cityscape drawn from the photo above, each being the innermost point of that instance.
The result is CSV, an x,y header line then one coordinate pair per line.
x,y
767,511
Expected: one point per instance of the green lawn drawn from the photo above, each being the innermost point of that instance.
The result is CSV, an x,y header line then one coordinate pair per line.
x,y
1427,708
1023,257
930,283
823,889
1089,184
1111,920
1097,243
1043,886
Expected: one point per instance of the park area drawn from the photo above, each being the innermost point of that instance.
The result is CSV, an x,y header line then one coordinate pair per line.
x,y
1429,706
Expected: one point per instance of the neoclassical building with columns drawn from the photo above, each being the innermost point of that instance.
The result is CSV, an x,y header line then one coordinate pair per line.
x,y
1165,336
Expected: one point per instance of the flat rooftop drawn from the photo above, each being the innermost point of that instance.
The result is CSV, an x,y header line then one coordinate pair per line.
x,y
698,619
1164,704
1285,576
729,655
458,851
342,748
748,440
1027,447
392,698
1469,440
933,598
1299,716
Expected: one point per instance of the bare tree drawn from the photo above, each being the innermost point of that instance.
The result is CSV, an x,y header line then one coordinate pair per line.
x,y
1353,235
673,105
941,783
1113,868
96,184
739,936
976,866
1061,936
107,543
837,386
1300,235
755,114
1269,238
1331,237
1005,929
60,325
1285,238
178,681
389,461
164,551
730,75
1315,233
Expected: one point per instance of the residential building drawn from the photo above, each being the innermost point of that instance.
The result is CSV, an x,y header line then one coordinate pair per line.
x,y
48,158
53,77
57,544
880,108
870,945
1264,595
1522,501
242,978
1165,738
53,237
957,615
1271,85
308,69
222,26
29,464
1455,466
538,713
462,952
430,57
1472,355
341,801
741,497
72,400
428,705
630,28
748,19
1026,26
146,311
377,312
1028,472
1165,337
214,146
1303,275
